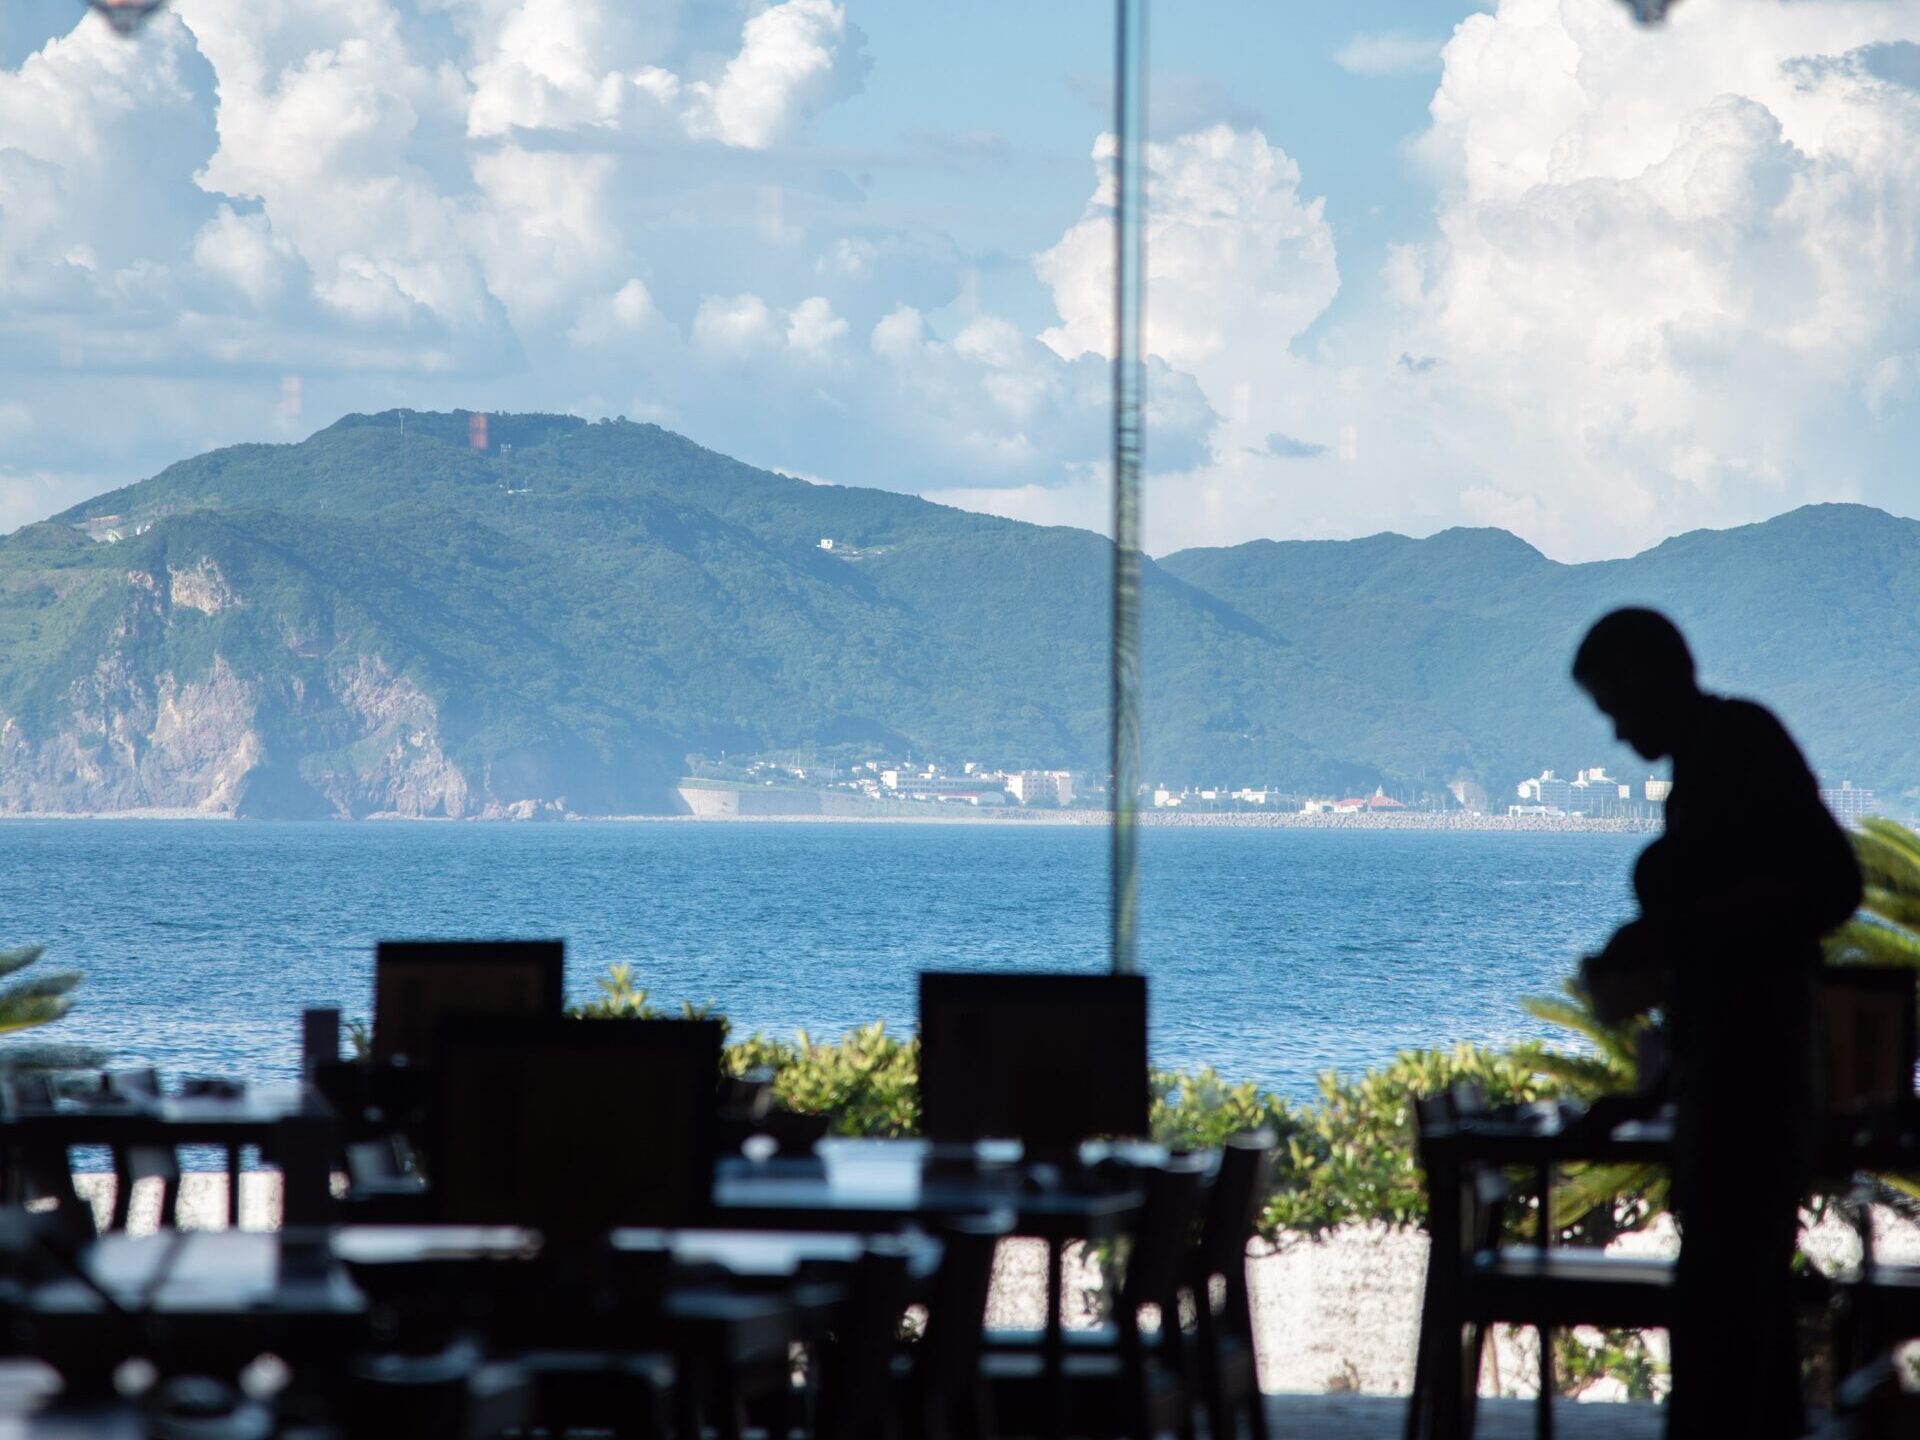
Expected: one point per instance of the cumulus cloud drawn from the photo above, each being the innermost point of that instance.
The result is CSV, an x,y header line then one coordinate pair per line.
x,y
1673,269
1669,283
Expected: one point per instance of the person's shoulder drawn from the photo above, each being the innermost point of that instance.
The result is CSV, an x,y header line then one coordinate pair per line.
x,y
1737,712
1750,725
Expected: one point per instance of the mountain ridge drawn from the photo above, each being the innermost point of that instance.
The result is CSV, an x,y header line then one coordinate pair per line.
x,y
371,621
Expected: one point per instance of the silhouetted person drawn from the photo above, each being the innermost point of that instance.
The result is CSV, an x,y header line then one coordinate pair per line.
x,y
1734,898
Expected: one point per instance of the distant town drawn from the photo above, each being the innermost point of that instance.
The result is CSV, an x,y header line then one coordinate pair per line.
x,y
1592,794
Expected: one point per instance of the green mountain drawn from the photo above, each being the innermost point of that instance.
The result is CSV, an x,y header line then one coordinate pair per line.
x,y
384,618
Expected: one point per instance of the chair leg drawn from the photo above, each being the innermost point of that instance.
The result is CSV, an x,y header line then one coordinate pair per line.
x,y
122,1195
1470,1396
1257,1413
1543,1423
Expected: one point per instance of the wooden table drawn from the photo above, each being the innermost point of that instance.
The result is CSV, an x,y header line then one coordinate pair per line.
x,y
886,1185
293,1129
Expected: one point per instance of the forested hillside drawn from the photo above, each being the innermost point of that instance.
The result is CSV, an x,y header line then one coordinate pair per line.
x,y
385,618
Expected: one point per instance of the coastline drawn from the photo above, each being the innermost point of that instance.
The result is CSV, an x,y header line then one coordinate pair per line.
x,y
1150,820
1163,820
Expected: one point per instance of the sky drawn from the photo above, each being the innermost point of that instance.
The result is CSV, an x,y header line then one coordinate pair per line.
x,y
1411,266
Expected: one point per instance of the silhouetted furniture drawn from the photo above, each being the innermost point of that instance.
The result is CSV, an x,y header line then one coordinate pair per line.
x,y
453,1390
1049,1060
1868,1021
292,1129
133,1164
319,1041
1229,1374
191,1301
851,1368
418,983
1868,1026
590,1323
876,1186
939,1388
1116,1379
37,1167
1475,1281
576,1126
1461,1147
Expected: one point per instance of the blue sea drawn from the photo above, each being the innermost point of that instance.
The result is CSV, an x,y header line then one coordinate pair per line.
x,y
1272,954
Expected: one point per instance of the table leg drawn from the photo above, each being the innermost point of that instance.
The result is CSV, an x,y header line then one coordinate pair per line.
x,y
1443,1260
305,1172
1055,1397
233,1187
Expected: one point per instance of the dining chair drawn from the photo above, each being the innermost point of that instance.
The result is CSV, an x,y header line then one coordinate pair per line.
x,y
1475,1281
1048,1059
939,1388
417,984
1229,1374
1118,1378
850,1375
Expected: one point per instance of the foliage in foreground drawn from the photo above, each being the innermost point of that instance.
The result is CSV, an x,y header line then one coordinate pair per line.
x,y
30,1001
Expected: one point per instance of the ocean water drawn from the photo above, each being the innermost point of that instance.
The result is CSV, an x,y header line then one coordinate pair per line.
x,y
1272,954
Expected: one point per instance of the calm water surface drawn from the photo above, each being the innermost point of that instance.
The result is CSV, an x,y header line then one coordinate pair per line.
x,y
1273,954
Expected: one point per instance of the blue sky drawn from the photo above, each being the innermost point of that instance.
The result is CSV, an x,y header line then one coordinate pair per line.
x,y
1038,78
1523,264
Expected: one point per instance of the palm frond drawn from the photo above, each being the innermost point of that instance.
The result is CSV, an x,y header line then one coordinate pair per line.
x,y
1896,907
1584,1189
31,1011
1583,1076
12,960
1889,856
1866,941
1573,1014
34,987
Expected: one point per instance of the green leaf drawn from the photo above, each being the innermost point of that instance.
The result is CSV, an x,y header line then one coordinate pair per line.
x,y
12,960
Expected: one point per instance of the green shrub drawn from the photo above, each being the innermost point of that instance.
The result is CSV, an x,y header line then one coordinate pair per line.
x,y
1350,1159
865,1083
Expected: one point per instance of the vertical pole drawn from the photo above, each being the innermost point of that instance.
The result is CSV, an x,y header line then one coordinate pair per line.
x,y
1129,387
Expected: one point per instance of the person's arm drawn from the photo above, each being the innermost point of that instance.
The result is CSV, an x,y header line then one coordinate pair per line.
x,y
1632,975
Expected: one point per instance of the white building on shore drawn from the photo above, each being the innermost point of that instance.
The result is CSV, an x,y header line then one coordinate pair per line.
x,y
1849,803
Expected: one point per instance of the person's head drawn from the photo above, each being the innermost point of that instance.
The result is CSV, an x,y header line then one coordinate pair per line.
x,y
1636,666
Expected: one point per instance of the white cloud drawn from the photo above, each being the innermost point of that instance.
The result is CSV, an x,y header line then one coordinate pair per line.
x,y
243,251
1238,262
1390,52
1670,266
787,63
813,328
1671,283
737,325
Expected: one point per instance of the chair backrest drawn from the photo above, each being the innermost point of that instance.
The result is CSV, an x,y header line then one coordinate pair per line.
x,y
1156,1263
1233,1202
1484,1192
1050,1060
576,1126
417,983
1868,1021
